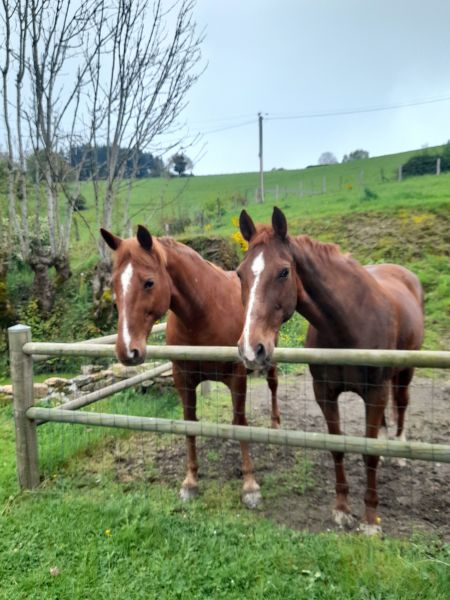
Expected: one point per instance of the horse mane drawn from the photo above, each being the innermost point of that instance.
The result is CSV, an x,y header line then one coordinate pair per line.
x,y
133,250
324,250
265,233
169,242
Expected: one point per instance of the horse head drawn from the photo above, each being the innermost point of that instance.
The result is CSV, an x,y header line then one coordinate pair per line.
x,y
269,287
142,290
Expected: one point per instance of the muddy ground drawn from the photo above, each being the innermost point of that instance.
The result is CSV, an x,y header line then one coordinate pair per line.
x,y
298,485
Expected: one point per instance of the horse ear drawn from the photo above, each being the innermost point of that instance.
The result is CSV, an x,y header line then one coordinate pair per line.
x,y
246,226
144,238
112,240
279,223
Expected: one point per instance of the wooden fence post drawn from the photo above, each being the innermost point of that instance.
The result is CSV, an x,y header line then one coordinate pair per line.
x,y
22,381
205,388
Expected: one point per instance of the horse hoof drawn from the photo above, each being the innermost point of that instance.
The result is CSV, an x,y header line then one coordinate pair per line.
x,y
343,519
275,425
370,530
188,493
252,499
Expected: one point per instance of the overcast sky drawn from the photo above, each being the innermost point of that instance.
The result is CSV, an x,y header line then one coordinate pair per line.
x,y
290,58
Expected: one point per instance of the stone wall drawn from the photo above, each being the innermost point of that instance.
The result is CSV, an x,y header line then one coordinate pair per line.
x,y
57,390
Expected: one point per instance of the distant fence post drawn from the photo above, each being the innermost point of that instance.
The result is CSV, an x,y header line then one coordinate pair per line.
x,y
438,166
22,381
400,173
205,388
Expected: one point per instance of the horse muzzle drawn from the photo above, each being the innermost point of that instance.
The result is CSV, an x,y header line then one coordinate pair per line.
x,y
257,357
132,356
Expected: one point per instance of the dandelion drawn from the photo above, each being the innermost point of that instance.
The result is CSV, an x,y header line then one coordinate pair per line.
x,y
108,532
54,571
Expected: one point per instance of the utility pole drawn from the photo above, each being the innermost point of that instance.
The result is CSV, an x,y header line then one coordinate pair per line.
x,y
261,169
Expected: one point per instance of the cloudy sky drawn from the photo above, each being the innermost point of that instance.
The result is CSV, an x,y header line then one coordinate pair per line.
x,y
296,60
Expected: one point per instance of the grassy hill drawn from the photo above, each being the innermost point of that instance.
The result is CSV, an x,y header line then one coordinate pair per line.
x,y
317,191
360,205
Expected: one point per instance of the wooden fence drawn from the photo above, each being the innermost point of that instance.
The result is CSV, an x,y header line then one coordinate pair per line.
x,y
27,416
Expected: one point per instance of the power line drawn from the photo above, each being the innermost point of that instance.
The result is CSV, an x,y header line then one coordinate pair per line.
x,y
354,111
220,119
235,126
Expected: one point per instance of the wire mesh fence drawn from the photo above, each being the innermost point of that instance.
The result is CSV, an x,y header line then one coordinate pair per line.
x,y
297,482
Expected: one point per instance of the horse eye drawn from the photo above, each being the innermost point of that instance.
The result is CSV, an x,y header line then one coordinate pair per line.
x,y
148,284
238,274
283,274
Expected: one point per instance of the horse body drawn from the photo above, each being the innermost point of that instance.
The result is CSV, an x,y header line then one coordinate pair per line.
x,y
205,308
347,306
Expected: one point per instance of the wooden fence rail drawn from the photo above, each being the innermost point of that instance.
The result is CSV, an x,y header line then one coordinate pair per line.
x,y
261,435
27,416
324,356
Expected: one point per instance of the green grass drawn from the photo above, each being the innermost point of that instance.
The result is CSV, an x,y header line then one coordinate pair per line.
x,y
105,544
86,533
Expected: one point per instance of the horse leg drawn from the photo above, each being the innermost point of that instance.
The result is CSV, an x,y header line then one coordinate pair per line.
x,y
272,382
328,402
251,495
400,392
186,390
375,402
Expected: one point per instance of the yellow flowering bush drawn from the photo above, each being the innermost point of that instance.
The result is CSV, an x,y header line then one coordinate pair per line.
x,y
237,235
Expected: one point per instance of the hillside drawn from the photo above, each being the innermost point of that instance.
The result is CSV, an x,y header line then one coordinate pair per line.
x,y
364,208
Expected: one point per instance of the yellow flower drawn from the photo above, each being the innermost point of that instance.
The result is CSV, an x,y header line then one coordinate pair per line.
x,y
108,532
237,237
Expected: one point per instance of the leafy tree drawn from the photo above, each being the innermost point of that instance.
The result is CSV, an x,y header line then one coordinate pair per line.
x,y
327,158
180,163
355,155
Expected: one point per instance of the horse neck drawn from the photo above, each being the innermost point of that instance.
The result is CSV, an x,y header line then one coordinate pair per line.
x,y
191,278
335,292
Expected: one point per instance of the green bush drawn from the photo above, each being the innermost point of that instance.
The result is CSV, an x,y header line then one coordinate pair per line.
x,y
425,163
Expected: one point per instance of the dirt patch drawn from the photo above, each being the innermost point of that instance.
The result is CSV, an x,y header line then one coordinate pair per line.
x,y
298,485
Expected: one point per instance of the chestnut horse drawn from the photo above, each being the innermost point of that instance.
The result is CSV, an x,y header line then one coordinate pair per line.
x,y
347,306
152,275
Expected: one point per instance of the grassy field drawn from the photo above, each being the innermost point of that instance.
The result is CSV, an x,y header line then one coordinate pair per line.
x,y
364,208
86,534
156,202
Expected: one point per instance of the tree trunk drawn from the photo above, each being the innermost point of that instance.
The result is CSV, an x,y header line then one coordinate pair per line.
x,y
62,268
104,313
6,309
43,289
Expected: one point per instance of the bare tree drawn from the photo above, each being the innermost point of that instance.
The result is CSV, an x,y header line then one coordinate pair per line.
x,y
42,37
86,73
149,63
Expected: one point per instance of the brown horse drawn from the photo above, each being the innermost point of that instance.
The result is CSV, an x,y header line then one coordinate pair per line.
x,y
347,306
152,275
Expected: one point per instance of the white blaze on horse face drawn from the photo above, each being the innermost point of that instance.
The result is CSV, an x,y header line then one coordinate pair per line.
x,y
125,280
257,268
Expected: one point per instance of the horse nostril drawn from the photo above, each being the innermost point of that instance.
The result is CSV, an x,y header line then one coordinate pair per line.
x,y
260,352
135,354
